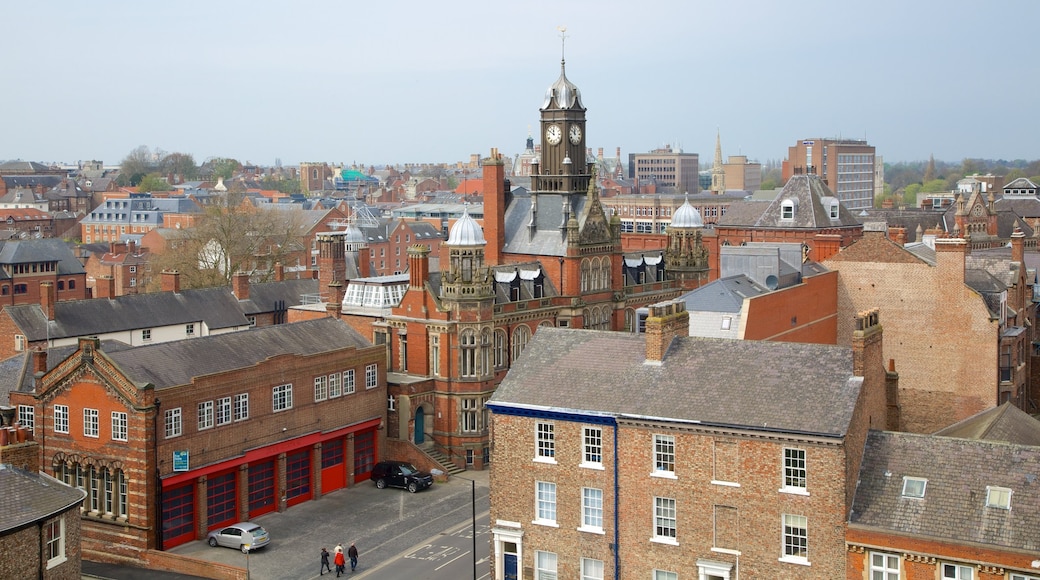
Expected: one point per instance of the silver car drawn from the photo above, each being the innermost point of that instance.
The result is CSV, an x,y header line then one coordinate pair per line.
x,y
245,536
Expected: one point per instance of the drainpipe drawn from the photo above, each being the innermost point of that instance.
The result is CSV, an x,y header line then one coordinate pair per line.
x,y
617,547
43,563
158,480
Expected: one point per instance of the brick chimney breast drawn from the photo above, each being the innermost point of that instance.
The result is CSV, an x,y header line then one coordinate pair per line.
x,y
666,321
240,285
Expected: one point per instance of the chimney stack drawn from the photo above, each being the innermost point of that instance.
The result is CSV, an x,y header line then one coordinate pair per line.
x,y
279,272
171,281
240,285
494,207
39,361
335,304
1018,246
47,299
418,266
104,287
666,321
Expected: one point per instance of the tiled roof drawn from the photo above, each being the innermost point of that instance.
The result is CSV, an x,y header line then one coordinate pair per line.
x,y
743,213
1004,423
775,386
875,247
31,497
548,239
723,295
954,504
43,250
808,192
273,296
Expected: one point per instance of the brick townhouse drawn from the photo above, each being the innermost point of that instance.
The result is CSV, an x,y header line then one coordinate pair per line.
x,y
25,264
234,426
663,456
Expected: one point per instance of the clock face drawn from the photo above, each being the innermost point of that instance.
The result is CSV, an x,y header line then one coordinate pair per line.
x,y
553,134
575,134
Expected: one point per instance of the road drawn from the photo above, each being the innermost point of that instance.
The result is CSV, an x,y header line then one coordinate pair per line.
x,y
446,556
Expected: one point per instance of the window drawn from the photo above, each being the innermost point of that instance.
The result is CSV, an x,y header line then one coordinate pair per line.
x,y
664,519
957,572
468,353
662,575
189,329
54,536
794,469
90,423
252,321
173,422
335,386
593,446
133,269
205,415
146,334
591,569
545,565
727,322
348,382
500,348
1023,577
998,497
19,342
591,509
435,354
914,486
61,418
469,415
545,442
223,411
521,335
664,454
241,406
282,397
884,566
834,210
118,426
321,388
787,209
545,503
27,416
796,538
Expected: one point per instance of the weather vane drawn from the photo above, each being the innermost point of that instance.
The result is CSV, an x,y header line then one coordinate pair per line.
x,y
563,40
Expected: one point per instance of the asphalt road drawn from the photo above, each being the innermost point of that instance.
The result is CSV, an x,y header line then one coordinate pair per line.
x,y
398,534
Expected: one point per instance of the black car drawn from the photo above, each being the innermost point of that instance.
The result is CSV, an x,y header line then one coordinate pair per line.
x,y
400,474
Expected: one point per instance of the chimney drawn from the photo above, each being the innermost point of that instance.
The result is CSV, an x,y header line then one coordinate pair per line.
x,y
666,321
599,154
418,266
494,207
880,386
335,304
332,259
279,272
240,285
1018,246
19,449
47,299
364,261
104,287
171,281
950,254
39,361
131,247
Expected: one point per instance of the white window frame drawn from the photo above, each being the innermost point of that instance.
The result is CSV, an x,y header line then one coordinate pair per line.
x,y
189,329
468,423
348,382
591,510
321,388
794,546
914,487
545,442
1019,576
795,472
61,418
174,427
224,411
545,503
91,423
592,452
119,426
665,575
998,497
951,571
591,569
27,417
146,335
371,376
881,566
664,456
281,398
241,409
335,385
545,564
665,529
206,415
55,542
19,342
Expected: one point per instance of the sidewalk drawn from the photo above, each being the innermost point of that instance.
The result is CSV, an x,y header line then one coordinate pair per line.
x,y
100,571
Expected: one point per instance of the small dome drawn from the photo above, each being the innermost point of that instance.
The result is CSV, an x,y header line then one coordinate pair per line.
x,y
466,232
687,216
563,94
353,234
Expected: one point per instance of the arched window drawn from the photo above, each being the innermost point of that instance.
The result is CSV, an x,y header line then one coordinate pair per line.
x,y
500,349
521,334
485,352
468,353
585,274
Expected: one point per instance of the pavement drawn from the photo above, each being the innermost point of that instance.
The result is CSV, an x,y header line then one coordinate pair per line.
x,y
382,522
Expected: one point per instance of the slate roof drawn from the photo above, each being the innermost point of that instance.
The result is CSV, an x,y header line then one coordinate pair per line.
x,y
549,239
31,497
909,219
19,165
216,307
743,213
723,295
42,250
777,386
31,181
953,508
275,296
808,191
1004,423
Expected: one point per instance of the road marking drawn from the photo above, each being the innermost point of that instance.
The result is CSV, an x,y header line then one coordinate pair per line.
x,y
452,560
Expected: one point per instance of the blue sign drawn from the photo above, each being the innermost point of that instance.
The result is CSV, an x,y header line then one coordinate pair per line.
x,y
180,460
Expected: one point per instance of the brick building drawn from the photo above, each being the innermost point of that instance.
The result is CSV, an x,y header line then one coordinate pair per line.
x,y
958,325
26,264
846,166
674,457
234,426
669,168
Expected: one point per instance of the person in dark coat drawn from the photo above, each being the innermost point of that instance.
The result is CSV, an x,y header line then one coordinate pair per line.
x,y
324,562
352,553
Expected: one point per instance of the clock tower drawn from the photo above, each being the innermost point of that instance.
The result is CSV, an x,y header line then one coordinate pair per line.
x,y
563,167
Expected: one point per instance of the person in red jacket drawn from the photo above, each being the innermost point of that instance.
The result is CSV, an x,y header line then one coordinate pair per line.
x,y
340,561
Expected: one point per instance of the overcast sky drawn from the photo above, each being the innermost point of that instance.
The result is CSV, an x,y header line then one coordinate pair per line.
x,y
424,81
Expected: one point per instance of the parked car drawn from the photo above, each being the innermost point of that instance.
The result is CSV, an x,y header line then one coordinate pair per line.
x,y
245,536
400,474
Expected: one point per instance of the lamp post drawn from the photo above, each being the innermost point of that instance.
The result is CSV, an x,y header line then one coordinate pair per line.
x,y
473,503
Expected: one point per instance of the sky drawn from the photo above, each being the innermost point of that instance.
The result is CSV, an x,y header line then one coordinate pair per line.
x,y
395,82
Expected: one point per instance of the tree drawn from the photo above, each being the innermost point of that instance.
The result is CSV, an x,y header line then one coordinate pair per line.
x,y
225,167
929,171
154,182
135,166
234,236
181,164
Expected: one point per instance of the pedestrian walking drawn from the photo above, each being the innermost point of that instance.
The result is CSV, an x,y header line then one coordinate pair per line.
x,y
340,561
352,552
324,561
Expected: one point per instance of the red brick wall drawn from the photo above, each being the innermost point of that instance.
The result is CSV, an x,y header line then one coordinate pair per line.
x,y
806,312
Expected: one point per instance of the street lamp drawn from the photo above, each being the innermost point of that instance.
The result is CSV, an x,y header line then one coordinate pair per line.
x,y
473,502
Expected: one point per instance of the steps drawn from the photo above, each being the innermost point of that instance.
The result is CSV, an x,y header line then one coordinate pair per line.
x,y
446,465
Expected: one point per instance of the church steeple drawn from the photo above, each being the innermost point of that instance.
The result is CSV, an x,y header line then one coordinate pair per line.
x,y
718,172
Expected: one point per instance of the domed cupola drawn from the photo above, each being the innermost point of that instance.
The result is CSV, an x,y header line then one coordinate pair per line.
x,y
466,232
687,216
354,238
563,94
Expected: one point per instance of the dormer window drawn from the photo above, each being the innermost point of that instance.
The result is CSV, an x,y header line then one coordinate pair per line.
x,y
998,497
834,210
787,208
914,486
